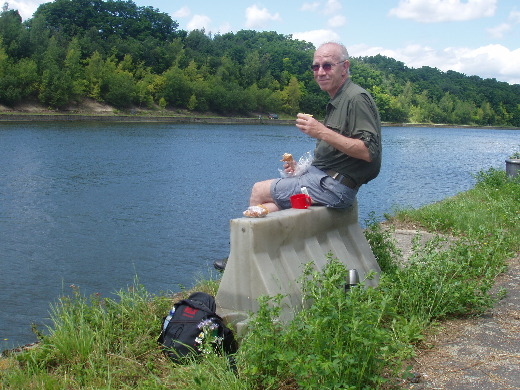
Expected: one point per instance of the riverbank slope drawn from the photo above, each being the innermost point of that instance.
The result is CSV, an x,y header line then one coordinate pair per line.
x,y
91,110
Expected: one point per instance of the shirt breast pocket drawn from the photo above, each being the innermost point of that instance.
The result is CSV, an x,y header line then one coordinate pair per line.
x,y
341,128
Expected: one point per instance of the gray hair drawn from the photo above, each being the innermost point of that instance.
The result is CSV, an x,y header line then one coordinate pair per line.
x,y
343,52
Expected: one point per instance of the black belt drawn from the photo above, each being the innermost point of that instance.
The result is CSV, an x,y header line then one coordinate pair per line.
x,y
345,180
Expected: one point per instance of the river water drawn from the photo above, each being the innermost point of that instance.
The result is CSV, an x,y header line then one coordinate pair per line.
x,y
99,204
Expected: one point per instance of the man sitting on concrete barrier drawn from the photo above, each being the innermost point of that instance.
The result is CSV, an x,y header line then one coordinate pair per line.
x,y
348,147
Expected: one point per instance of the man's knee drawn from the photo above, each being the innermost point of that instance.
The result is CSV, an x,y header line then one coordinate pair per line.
x,y
258,187
262,191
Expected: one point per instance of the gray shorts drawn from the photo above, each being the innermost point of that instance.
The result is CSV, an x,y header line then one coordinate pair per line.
x,y
322,188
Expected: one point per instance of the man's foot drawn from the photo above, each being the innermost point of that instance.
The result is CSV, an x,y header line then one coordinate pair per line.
x,y
220,265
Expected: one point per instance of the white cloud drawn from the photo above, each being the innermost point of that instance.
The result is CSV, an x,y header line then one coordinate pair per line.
x,y
332,7
514,16
495,61
337,21
499,31
25,8
182,12
317,37
199,22
259,17
491,61
430,11
312,7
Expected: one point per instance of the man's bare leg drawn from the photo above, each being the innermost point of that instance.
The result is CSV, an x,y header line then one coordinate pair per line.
x,y
261,194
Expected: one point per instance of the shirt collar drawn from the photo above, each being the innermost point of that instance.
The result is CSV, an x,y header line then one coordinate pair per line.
x,y
343,86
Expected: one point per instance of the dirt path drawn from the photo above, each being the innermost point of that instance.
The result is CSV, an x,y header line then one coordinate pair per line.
x,y
475,353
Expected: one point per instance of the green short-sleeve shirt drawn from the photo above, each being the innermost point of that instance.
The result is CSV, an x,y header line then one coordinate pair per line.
x,y
352,112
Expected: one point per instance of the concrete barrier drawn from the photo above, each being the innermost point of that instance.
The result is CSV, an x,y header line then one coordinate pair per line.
x,y
267,257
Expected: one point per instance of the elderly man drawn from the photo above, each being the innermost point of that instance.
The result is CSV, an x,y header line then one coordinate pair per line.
x,y
348,147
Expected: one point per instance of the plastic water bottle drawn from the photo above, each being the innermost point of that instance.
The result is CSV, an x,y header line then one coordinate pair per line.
x,y
168,318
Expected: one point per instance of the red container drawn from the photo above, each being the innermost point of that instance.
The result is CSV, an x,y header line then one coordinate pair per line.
x,y
300,201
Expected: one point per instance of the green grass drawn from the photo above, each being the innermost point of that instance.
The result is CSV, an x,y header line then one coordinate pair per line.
x,y
489,212
356,340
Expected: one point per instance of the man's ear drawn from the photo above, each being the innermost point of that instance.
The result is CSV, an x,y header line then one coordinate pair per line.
x,y
346,66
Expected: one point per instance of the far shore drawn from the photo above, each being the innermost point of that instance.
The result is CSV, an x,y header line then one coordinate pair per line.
x,y
11,116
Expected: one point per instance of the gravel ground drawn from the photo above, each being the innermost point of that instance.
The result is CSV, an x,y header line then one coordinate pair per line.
x,y
476,353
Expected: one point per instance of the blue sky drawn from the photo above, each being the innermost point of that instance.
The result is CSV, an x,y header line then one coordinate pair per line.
x,y
474,37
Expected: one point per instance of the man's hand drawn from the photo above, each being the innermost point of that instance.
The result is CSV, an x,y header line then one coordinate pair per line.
x,y
308,125
289,167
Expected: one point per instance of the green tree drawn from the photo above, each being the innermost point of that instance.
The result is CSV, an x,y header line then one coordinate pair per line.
x,y
291,96
75,69
192,103
176,89
12,31
56,83
202,91
420,112
115,51
227,72
251,70
95,76
397,111
146,88
383,101
121,89
110,18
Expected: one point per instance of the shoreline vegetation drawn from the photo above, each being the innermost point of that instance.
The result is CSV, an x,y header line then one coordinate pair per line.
x,y
131,56
166,116
364,339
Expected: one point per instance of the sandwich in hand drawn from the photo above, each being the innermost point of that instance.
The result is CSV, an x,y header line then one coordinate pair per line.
x,y
287,157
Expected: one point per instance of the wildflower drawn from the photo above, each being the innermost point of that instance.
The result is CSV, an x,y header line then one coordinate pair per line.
x,y
207,325
208,336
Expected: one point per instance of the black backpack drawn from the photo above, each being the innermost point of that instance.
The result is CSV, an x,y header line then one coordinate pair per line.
x,y
190,322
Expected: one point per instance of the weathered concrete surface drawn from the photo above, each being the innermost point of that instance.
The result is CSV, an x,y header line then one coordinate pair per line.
x,y
268,255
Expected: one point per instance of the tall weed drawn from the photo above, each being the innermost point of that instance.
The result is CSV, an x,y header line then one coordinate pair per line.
x,y
439,282
341,341
489,211
92,335
383,245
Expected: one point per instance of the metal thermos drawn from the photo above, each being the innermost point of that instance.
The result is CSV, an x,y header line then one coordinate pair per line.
x,y
352,279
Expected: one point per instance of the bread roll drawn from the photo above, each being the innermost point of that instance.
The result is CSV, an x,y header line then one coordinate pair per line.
x,y
287,157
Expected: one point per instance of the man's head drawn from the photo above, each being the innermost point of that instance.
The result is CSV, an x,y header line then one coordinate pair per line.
x,y
331,67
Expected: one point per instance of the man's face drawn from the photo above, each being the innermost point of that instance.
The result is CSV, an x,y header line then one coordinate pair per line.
x,y
334,74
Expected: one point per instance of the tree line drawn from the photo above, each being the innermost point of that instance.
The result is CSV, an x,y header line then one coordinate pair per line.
x,y
131,56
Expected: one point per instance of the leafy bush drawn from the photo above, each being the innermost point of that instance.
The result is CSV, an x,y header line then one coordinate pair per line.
x,y
341,341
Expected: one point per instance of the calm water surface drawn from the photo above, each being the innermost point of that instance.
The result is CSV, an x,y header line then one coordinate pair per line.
x,y
96,205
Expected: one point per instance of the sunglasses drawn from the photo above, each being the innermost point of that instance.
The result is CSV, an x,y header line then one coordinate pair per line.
x,y
326,67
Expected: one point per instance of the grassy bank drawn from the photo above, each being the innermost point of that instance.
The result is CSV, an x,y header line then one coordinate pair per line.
x,y
358,340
